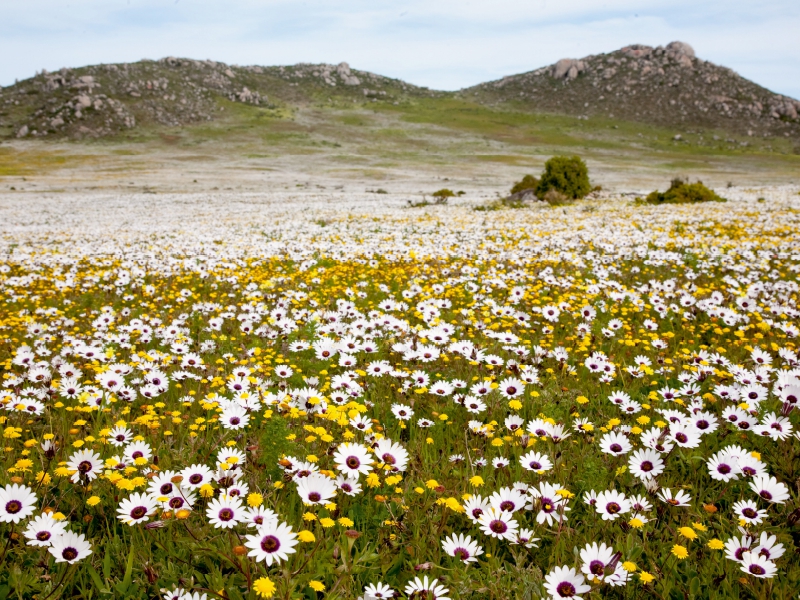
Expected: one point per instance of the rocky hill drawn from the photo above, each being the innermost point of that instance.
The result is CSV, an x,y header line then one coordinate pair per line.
x,y
104,100
666,86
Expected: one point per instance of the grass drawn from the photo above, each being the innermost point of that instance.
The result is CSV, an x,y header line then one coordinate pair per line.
x,y
422,133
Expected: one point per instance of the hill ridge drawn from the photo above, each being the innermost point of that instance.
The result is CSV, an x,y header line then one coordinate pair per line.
x,y
666,86
663,85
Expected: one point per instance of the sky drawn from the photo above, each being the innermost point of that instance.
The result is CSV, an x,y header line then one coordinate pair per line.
x,y
442,44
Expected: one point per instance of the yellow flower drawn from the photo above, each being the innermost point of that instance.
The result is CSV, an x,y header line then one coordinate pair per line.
x,y
317,586
582,400
515,405
699,527
431,484
680,552
645,577
476,481
345,522
206,491
636,523
688,533
254,499
306,536
264,587
308,516
629,566
715,544
327,522
93,501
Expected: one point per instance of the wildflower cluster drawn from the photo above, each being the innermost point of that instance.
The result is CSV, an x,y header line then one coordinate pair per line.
x,y
564,406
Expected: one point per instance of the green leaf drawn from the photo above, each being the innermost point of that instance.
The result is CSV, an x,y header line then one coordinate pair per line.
x,y
122,586
107,565
694,586
98,583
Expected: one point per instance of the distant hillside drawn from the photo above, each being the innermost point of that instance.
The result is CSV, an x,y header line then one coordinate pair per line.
x,y
667,86
104,100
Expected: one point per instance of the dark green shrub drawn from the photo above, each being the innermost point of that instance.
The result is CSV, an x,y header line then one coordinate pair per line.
x,y
443,193
441,196
683,192
567,175
529,182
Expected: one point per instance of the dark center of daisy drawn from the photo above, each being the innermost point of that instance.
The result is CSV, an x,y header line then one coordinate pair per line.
x,y
138,512
507,506
226,514
646,466
176,502
314,496
724,469
749,513
69,553
765,495
565,589
757,569
13,507
352,462
498,526
84,467
235,420
195,479
597,567
461,553
270,543
613,508
43,536
536,466
616,448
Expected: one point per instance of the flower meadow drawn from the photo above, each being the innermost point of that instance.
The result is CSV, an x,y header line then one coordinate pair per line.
x,y
319,398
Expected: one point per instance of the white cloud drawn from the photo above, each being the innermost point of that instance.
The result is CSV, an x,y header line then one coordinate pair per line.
x,y
444,44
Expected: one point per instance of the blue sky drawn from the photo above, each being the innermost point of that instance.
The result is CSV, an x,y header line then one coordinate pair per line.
x,y
443,44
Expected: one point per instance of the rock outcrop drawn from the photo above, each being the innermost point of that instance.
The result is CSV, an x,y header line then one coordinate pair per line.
x,y
107,100
666,86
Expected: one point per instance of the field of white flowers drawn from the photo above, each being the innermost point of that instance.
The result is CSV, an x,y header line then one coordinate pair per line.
x,y
331,397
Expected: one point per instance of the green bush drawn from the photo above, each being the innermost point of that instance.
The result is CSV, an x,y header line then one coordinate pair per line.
x,y
529,182
566,175
443,193
683,192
